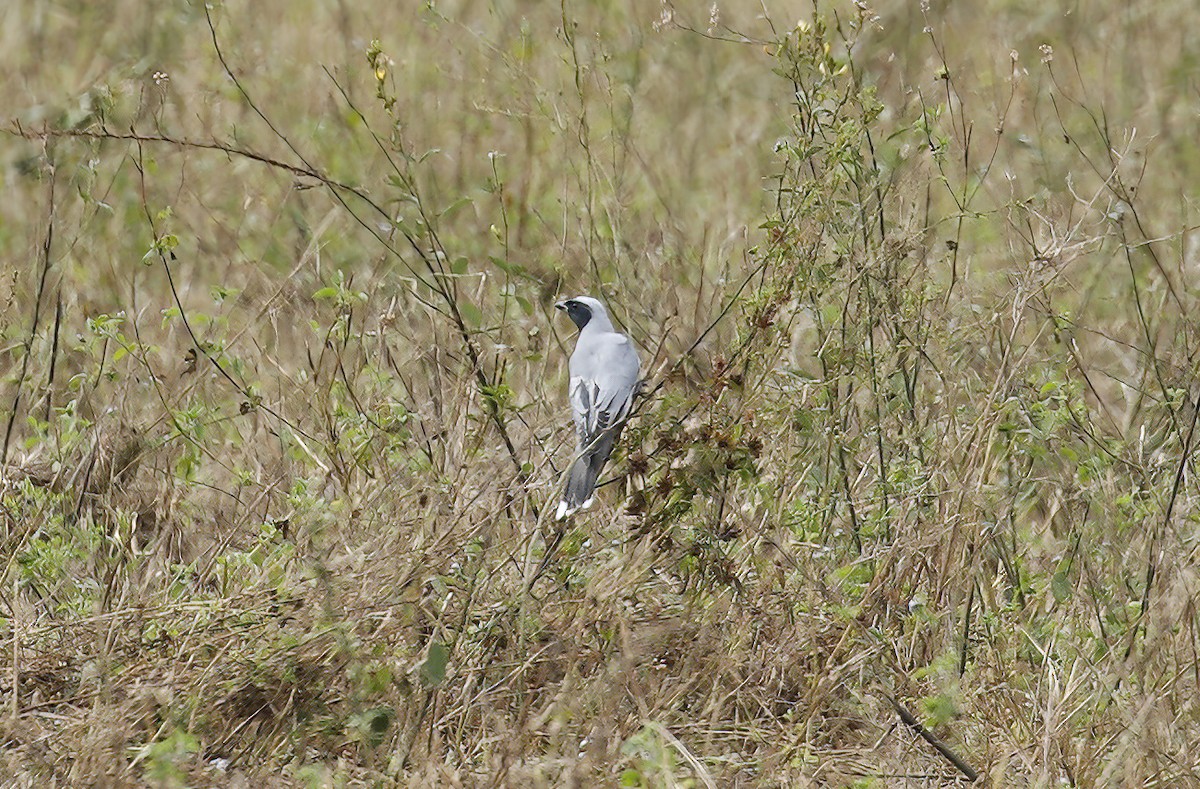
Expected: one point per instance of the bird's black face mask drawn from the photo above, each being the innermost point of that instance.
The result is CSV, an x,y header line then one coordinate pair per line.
x,y
576,311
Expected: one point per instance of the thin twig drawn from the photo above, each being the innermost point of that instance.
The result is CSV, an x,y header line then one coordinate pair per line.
x,y
926,735
47,243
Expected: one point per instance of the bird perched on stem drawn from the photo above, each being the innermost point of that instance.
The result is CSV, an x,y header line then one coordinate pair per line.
x,y
604,379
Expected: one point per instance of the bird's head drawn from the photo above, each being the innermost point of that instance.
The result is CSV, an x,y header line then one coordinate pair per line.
x,y
582,309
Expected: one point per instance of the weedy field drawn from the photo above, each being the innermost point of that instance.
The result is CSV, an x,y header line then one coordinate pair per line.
x,y
910,499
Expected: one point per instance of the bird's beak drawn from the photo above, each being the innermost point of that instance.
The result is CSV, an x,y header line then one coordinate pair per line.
x,y
562,305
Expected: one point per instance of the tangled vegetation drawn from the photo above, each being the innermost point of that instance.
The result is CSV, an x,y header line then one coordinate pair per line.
x,y
908,500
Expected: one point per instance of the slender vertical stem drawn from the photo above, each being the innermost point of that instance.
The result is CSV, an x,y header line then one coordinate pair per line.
x,y
37,317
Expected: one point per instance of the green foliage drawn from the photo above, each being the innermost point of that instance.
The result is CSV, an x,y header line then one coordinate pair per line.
x,y
166,758
433,668
52,563
655,762
372,726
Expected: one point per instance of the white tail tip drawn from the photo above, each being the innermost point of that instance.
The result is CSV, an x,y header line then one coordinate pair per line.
x,y
565,509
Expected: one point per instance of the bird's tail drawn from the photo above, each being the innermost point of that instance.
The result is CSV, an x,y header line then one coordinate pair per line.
x,y
583,474
581,481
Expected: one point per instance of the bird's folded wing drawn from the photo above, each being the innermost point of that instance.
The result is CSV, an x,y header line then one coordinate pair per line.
x,y
604,375
597,409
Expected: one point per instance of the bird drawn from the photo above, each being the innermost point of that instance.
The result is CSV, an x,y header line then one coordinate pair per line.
x,y
604,379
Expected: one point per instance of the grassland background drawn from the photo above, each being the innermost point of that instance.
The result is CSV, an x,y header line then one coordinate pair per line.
x,y
915,288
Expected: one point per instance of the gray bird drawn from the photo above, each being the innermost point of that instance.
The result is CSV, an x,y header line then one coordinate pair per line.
x,y
604,378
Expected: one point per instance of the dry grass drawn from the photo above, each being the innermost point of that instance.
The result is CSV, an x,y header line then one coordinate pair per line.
x,y
911,499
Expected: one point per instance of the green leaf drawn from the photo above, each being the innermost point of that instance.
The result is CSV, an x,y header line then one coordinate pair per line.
x,y
373,724
1060,586
455,206
941,708
433,669
459,266
471,313
325,293
512,269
